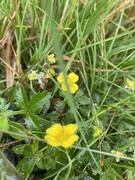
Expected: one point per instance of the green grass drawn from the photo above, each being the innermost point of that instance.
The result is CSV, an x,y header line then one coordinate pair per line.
x,y
96,41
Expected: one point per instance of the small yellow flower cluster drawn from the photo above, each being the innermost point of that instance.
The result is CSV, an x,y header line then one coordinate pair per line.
x,y
130,84
61,136
32,75
51,59
50,72
72,79
97,131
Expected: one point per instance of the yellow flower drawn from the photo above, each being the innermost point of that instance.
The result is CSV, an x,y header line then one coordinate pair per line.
x,y
73,87
97,131
51,58
61,136
60,78
32,75
130,84
50,72
72,78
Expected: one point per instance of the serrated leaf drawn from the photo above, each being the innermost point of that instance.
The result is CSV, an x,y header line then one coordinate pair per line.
x,y
19,149
26,149
26,166
32,106
45,162
38,101
32,120
22,99
3,105
17,130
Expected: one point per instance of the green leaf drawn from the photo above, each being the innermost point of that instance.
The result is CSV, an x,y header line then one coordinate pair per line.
x,y
83,100
17,130
53,116
3,105
32,106
4,125
26,166
45,161
22,99
38,101
26,149
19,149
127,63
32,120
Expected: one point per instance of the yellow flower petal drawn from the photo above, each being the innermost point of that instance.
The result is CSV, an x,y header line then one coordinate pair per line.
x,y
70,129
73,88
72,77
55,130
70,141
60,78
52,141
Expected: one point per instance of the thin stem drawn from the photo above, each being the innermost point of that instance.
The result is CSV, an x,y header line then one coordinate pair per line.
x,y
105,153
